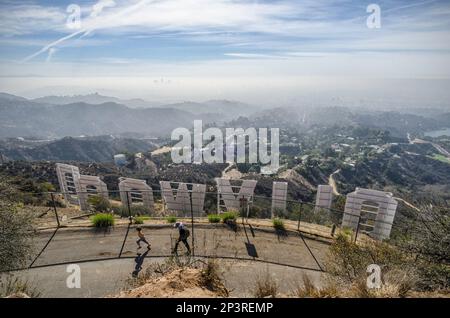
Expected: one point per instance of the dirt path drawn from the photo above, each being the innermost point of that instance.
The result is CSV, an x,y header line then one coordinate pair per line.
x,y
407,203
296,178
161,151
229,173
332,182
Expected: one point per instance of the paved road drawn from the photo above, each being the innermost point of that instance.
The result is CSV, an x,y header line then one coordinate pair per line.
x,y
103,278
106,277
70,245
441,150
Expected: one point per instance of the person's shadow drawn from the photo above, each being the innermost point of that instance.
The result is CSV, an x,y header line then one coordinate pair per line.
x,y
139,260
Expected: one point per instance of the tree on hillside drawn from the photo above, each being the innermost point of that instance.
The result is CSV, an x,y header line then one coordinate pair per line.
x,y
428,237
16,229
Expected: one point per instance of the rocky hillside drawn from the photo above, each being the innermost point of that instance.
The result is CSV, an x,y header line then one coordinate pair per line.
x,y
94,149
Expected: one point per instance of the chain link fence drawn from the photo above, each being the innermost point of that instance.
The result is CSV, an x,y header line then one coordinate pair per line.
x,y
297,235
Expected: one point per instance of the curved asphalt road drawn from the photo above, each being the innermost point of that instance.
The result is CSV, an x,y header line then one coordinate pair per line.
x,y
71,245
100,278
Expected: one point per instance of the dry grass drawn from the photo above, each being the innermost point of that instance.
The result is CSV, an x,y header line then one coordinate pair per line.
x,y
347,268
14,287
265,286
396,285
211,278
154,270
169,279
308,289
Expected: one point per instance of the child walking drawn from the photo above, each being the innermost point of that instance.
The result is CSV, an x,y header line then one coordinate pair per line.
x,y
141,238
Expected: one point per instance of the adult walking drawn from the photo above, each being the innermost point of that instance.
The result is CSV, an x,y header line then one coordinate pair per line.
x,y
183,236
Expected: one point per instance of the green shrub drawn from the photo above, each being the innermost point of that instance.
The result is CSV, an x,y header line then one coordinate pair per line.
x,y
278,224
348,261
99,203
347,232
214,218
171,219
255,212
279,212
102,220
121,210
139,220
16,234
229,217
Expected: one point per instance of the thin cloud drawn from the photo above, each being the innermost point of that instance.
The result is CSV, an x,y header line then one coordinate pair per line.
x,y
50,54
228,22
98,23
232,30
255,56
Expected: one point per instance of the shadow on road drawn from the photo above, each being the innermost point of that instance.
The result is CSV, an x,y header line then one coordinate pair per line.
x,y
139,260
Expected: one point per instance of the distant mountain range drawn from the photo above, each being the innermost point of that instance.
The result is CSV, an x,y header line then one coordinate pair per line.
x,y
304,118
95,99
89,149
224,107
229,109
56,117
10,97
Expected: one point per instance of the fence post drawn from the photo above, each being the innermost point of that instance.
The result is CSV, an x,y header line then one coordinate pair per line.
x,y
54,209
357,228
218,201
129,206
242,205
128,227
247,205
299,217
192,226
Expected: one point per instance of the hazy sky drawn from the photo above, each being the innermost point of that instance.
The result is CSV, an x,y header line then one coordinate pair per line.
x,y
253,50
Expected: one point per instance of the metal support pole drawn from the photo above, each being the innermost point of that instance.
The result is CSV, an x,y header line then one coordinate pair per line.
x,y
54,208
299,218
242,206
129,207
248,207
218,202
357,228
192,225
128,227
